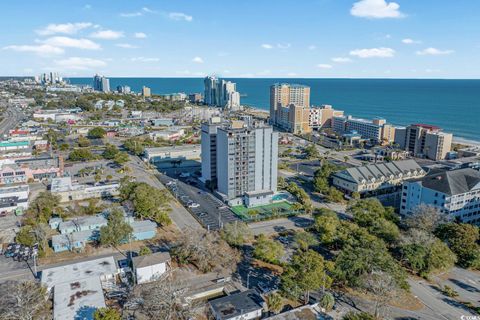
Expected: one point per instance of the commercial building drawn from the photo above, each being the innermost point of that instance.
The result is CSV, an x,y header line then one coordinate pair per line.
x,y
424,141
179,155
124,89
14,199
170,134
377,177
195,97
376,130
78,287
282,95
455,193
243,158
14,145
69,191
151,267
321,117
221,93
146,92
101,83
32,169
245,305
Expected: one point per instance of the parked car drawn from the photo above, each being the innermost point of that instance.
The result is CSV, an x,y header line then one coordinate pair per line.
x,y
193,205
3,214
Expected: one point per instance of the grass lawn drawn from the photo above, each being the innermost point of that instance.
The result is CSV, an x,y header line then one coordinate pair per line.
x,y
283,208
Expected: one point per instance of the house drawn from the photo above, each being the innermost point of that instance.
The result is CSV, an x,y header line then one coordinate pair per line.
x,y
40,145
150,267
245,305
456,193
165,122
373,178
74,241
82,224
308,312
54,222
143,230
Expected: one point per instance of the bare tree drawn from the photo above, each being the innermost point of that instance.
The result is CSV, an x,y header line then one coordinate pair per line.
x,y
206,250
23,301
162,299
383,288
425,217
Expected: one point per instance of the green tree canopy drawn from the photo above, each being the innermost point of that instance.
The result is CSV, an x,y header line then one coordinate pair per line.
x,y
117,229
463,241
96,133
110,151
268,250
107,314
236,234
307,271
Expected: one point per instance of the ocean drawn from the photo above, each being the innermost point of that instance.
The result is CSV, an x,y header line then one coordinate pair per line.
x,y
453,105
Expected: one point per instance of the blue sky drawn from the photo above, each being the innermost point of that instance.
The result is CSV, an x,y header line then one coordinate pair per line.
x,y
247,38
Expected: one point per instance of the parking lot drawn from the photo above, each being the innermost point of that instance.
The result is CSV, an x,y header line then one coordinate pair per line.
x,y
208,210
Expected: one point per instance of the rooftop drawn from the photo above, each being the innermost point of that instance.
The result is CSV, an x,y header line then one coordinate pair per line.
x,y
235,305
76,271
78,299
151,259
452,182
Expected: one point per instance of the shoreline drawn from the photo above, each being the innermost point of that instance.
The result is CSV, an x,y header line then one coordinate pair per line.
x,y
456,139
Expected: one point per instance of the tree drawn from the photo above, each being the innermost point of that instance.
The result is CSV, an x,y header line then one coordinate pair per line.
x,y
64,147
304,240
25,300
311,151
110,151
81,155
44,205
96,133
117,229
363,254
463,241
382,287
326,225
307,272
274,303
282,184
144,251
426,218
327,302
372,215
162,300
335,195
268,250
107,314
121,158
97,178
206,250
150,203
84,104
356,196
236,234
83,142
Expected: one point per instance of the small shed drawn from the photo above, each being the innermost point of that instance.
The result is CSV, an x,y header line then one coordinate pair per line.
x,y
151,267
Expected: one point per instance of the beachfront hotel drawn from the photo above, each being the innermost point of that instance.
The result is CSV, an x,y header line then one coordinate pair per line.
x,y
424,141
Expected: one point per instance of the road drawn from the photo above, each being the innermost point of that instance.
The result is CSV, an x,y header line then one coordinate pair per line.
x,y
11,118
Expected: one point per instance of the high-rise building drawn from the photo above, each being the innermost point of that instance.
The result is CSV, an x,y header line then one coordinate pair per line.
x,y
240,159
50,78
298,119
101,83
195,97
284,94
321,117
124,89
423,140
221,93
146,92
376,130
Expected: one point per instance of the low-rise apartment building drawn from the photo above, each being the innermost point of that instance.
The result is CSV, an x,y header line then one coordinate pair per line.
x,y
455,193
374,178
376,130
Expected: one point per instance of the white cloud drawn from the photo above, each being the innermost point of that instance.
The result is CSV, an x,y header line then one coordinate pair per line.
x,y
107,35
278,45
43,50
140,35
180,16
66,28
137,13
143,59
72,43
78,63
126,46
197,60
324,66
312,47
87,7
341,60
373,53
434,52
410,41
376,9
